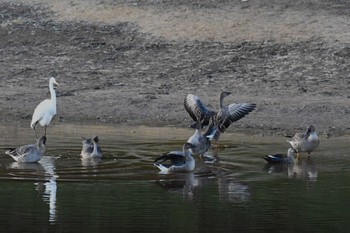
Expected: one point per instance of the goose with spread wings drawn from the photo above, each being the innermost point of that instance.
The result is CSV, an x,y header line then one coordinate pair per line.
x,y
216,122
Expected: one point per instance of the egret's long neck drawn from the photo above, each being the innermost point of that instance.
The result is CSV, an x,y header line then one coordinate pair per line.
x,y
52,92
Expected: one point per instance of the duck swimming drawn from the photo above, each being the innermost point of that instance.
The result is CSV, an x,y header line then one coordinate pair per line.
x,y
180,161
29,153
305,142
281,158
91,148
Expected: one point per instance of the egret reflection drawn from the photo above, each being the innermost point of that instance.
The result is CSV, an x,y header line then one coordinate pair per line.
x,y
45,172
49,195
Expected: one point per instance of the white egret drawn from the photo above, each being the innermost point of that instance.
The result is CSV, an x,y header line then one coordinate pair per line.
x,y
44,112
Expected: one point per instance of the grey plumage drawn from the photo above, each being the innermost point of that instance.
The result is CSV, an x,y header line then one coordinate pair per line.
x,y
29,153
200,142
219,121
91,148
180,161
307,141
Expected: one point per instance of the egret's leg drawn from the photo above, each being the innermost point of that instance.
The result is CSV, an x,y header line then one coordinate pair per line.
x,y
45,130
35,133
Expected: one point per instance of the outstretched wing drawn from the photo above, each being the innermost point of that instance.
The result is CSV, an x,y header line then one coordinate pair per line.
x,y
197,109
233,112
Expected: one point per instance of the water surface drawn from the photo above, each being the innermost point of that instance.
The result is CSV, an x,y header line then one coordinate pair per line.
x,y
124,192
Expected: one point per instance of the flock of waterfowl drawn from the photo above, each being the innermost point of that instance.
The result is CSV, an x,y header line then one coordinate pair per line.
x,y
208,125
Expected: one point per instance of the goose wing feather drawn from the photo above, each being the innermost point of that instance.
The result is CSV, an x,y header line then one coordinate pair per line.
x,y
196,108
232,113
176,158
19,151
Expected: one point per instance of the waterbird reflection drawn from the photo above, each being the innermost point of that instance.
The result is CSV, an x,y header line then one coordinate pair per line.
x,y
90,162
304,168
183,184
44,171
231,190
49,195
301,168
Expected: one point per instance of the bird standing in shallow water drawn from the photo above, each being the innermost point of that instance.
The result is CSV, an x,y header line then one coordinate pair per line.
x,y
200,142
180,161
91,148
305,142
44,112
29,153
217,122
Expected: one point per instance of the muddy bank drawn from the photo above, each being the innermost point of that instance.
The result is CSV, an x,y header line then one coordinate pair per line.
x,y
137,66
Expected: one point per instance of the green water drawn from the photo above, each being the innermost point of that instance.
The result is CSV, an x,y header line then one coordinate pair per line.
x,y
125,193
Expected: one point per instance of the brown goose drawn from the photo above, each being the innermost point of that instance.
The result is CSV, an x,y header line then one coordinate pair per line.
x,y
305,142
219,121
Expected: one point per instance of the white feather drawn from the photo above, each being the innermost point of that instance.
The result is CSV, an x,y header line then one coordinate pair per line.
x,y
44,112
162,168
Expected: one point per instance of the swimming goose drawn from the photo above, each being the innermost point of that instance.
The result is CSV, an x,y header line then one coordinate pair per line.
x,y
280,158
91,148
29,153
305,142
200,142
219,121
180,161
44,112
